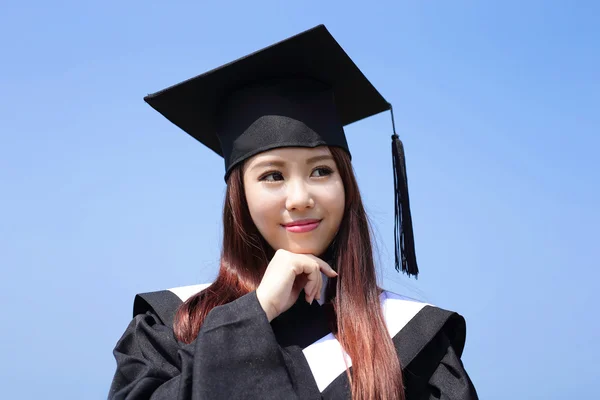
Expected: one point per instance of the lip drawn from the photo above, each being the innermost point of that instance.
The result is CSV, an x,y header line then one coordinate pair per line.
x,y
305,225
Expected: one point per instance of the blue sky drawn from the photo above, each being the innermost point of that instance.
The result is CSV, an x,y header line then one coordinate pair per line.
x,y
498,106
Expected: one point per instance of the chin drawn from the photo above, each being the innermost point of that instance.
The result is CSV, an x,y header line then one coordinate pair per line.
x,y
304,249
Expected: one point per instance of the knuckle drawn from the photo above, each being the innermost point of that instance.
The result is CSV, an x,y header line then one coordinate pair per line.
x,y
295,268
280,253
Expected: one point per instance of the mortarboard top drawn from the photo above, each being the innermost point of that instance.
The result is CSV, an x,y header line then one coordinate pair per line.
x,y
200,105
301,91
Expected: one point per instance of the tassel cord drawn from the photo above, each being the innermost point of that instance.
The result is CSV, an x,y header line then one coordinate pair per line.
x,y
405,257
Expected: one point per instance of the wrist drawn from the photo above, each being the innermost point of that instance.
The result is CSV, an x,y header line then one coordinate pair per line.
x,y
269,310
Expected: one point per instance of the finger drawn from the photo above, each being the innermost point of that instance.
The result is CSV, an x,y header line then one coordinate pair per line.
x,y
311,286
324,267
311,268
318,280
318,297
316,287
319,284
303,264
320,288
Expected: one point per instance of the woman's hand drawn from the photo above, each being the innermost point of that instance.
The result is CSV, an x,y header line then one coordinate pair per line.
x,y
286,275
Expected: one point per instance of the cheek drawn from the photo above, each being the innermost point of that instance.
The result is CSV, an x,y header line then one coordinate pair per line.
x,y
264,209
334,202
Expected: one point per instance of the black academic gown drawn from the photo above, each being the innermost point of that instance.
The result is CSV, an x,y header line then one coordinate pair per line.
x,y
238,354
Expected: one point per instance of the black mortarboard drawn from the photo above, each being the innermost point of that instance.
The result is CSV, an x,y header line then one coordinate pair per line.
x,y
299,92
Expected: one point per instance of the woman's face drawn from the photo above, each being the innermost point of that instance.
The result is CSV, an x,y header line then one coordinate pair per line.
x,y
296,198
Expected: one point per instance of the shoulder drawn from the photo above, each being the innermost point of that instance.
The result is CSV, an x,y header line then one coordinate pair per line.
x,y
164,303
418,323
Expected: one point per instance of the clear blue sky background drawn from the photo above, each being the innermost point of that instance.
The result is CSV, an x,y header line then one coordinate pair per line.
x,y
499,107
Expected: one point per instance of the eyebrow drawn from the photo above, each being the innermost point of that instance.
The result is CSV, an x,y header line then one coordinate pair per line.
x,y
315,159
281,164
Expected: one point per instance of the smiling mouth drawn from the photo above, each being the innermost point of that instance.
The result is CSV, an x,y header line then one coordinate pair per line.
x,y
302,226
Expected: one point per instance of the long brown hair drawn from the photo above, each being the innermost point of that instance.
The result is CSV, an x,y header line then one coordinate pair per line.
x,y
376,371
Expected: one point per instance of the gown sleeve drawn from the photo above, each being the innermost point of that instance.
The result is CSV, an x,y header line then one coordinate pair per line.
x,y
450,380
235,355
436,371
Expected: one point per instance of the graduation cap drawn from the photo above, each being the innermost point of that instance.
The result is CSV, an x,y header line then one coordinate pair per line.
x,y
299,92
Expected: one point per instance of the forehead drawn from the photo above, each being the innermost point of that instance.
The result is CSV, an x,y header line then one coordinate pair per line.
x,y
292,154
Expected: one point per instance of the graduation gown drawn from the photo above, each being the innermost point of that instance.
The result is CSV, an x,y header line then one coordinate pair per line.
x,y
238,354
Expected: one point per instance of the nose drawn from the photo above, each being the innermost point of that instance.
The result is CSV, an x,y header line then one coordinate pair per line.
x,y
299,196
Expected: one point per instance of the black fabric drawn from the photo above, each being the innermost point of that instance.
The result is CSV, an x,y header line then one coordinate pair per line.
x,y
203,106
429,348
278,113
238,354
426,324
302,325
164,303
438,373
235,356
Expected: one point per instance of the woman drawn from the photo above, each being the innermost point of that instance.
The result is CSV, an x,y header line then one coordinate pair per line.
x,y
295,311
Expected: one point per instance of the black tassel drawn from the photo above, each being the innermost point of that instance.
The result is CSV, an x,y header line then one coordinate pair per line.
x,y
403,229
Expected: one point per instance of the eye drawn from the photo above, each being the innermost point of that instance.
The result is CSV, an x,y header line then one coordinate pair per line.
x,y
320,172
271,177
